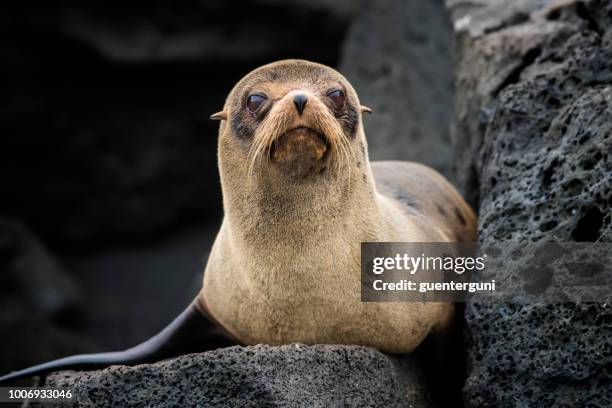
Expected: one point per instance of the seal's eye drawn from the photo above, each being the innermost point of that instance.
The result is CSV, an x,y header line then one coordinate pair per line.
x,y
254,101
337,96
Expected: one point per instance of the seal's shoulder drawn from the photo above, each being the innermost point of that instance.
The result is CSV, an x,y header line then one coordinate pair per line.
x,y
422,190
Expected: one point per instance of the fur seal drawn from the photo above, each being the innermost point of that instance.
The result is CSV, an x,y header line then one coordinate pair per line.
x,y
299,197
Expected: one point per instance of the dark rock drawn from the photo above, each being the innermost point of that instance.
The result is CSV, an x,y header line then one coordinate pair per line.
x,y
216,31
533,130
105,122
135,291
36,296
30,273
334,9
260,376
397,56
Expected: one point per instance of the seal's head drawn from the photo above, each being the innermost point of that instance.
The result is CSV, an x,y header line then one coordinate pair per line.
x,y
292,119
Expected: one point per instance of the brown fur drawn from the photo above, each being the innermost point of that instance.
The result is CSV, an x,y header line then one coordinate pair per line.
x,y
285,265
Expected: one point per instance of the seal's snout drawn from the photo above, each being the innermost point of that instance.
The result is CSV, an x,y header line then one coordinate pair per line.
x,y
299,135
299,151
301,147
300,100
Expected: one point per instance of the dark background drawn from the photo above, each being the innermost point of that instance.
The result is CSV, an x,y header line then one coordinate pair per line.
x,y
109,192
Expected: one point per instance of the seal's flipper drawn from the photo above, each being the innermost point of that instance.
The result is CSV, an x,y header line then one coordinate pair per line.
x,y
192,331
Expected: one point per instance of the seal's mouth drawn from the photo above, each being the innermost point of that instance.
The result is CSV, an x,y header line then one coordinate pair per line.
x,y
300,142
300,151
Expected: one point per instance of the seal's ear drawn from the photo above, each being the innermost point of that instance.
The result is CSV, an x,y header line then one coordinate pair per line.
x,y
365,109
221,115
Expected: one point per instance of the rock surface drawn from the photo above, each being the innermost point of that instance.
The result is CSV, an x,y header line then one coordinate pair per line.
x,y
397,56
260,376
533,130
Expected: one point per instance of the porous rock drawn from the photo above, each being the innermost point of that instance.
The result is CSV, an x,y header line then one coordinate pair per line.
x,y
259,376
533,131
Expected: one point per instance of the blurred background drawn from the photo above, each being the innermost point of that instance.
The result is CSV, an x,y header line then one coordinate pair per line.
x,y
109,192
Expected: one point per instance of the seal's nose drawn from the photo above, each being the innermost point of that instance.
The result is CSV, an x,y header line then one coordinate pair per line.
x,y
300,102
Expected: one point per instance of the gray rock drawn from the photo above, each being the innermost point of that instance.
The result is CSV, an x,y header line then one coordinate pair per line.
x,y
260,376
532,128
397,56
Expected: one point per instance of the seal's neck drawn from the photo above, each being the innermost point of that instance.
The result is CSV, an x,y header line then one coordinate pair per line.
x,y
302,218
